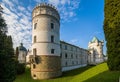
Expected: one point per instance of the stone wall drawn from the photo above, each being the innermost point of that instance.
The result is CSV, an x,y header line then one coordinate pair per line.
x,y
45,67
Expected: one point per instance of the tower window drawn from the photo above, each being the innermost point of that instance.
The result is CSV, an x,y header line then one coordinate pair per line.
x,y
34,39
52,38
71,55
34,75
34,66
35,25
34,51
52,26
52,51
65,55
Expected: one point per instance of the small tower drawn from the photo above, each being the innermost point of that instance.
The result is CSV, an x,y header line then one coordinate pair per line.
x,y
22,52
45,62
96,50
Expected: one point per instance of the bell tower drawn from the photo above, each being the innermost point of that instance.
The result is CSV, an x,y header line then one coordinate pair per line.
x,y
45,62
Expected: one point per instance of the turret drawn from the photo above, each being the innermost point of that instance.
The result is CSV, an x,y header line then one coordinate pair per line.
x,y
96,49
45,62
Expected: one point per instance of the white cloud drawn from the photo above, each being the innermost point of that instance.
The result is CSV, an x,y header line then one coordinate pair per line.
x,y
19,19
19,25
21,8
74,40
55,2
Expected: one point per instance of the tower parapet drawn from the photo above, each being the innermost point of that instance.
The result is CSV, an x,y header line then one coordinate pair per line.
x,y
46,9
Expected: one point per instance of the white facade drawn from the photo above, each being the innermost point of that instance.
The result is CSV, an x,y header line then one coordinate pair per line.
x,y
22,52
72,56
96,51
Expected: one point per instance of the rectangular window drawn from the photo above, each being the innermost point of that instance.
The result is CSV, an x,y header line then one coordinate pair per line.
x,y
71,55
65,47
52,26
34,51
52,51
66,63
35,25
34,39
65,55
34,66
52,38
71,48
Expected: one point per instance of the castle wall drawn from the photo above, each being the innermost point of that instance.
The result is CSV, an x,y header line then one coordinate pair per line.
x,y
72,57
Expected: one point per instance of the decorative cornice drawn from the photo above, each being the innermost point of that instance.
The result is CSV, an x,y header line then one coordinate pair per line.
x,y
46,42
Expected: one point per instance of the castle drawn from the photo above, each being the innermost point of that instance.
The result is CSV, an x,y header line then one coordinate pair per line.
x,y
50,56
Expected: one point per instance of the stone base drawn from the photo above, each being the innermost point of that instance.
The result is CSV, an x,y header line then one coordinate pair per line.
x,y
46,67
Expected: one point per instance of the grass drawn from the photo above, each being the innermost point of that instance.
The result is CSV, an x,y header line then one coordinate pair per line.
x,y
99,73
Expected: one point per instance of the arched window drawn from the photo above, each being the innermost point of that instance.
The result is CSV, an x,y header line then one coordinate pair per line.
x,y
52,38
35,25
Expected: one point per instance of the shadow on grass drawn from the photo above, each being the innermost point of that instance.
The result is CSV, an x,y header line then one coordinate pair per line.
x,y
75,71
107,76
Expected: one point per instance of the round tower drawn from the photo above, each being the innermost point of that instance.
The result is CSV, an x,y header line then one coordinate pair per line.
x,y
45,62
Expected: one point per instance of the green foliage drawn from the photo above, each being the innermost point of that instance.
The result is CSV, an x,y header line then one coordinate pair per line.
x,y
99,73
112,33
7,62
16,53
20,68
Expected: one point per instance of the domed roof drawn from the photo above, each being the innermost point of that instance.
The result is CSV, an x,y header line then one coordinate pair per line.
x,y
22,48
94,39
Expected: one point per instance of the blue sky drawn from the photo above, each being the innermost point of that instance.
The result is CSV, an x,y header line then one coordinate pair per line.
x,y
81,20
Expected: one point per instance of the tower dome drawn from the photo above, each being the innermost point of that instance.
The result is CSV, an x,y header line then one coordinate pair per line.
x,y
22,48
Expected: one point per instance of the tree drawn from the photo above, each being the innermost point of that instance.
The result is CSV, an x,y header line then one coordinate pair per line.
x,y
7,61
16,53
112,33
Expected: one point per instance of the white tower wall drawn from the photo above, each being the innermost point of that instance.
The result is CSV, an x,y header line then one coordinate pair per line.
x,y
46,61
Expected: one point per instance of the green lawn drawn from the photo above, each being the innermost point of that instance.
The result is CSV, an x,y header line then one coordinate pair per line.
x,y
99,73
